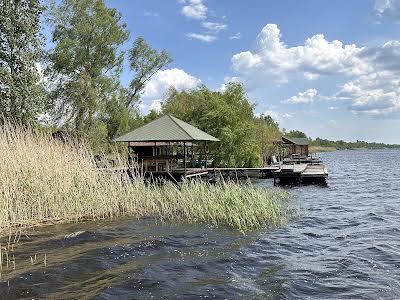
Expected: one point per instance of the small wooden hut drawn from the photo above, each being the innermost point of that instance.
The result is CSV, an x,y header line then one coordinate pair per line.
x,y
166,145
296,146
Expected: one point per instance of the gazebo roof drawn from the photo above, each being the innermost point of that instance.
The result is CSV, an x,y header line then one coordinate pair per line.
x,y
296,141
167,129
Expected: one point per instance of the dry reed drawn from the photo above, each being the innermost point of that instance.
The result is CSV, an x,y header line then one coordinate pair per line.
x,y
43,180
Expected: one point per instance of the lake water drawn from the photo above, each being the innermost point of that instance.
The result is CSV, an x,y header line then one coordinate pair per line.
x,y
344,245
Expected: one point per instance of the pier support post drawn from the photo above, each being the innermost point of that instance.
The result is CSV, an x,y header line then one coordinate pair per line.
x,y
184,159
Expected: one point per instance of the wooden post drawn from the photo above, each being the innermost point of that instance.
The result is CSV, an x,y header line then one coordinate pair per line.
x,y
184,159
205,153
192,158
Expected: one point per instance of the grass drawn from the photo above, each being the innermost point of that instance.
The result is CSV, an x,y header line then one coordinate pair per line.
x,y
43,181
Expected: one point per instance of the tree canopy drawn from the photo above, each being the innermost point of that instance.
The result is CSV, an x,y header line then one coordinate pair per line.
x,y
226,115
85,61
22,96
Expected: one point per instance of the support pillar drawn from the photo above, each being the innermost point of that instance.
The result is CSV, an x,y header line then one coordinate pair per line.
x,y
184,159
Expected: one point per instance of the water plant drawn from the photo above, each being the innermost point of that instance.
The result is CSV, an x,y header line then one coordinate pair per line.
x,y
43,180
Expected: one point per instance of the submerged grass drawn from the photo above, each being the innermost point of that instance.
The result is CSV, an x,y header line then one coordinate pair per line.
x,y
43,180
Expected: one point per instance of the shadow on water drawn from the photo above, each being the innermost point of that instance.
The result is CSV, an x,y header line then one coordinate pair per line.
x,y
344,245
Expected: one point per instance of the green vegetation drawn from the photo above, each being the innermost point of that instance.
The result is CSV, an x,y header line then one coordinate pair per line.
x,y
323,145
22,94
341,145
80,91
43,181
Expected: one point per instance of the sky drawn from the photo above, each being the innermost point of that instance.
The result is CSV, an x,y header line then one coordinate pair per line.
x,y
328,68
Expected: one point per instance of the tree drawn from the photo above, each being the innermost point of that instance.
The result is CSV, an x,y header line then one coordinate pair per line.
x,y
144,62
118,119
22,95
267,131
86,62
296,134
227,116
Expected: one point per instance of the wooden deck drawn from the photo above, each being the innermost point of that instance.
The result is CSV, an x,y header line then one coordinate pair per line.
x,y
301,173
283,172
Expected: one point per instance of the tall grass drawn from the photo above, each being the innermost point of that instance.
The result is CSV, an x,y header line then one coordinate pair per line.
x,y
43,180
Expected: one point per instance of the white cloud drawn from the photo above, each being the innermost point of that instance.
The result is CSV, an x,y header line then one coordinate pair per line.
x,y
159,84
236,36
316,57
376,94
305,97
273,114
388,8
156,105
162,80
202,37
310,76
373,73
287,116
215,27
194,9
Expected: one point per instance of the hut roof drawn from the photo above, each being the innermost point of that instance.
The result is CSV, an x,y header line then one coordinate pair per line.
x,y
166,128
296,141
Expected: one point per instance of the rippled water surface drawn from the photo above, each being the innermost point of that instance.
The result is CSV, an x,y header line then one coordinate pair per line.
x,y
344,245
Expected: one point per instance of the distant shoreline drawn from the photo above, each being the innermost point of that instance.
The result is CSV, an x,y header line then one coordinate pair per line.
x,y
316,149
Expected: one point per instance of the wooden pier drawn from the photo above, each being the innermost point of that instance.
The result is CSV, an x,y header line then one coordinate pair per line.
x,y
300,173
170,149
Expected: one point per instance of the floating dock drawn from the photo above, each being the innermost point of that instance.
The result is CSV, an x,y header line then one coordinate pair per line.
x,y
300,173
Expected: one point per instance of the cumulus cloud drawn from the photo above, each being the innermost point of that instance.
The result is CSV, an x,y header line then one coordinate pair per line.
x,y
316,57
159,84
162,80
156,105
376,94
272,113
194,9
202,37
213,26
303,97
373,73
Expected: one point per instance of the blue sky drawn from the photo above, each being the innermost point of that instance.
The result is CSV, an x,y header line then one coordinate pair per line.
x,y
328,68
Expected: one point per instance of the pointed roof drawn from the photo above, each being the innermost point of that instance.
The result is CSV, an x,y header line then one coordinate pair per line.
x,y
296,141
166,128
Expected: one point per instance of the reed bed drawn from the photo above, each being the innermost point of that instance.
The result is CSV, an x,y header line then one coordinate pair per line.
x,y
43,180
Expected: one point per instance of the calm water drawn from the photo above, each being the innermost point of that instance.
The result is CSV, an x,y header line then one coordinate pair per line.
x,y
344,245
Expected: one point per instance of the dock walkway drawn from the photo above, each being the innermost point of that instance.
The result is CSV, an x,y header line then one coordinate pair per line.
x,y
301,173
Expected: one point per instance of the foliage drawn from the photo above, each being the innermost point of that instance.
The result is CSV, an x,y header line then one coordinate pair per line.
x,y
340,144
85,60
22,95
43,180
226,115
295,134
144,62
267,131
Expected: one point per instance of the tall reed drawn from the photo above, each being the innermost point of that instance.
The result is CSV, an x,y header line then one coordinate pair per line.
x,y
43,180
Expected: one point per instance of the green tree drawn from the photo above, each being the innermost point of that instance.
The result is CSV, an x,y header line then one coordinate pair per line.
x,y
227,116
118,119
144,62
267,131
296,134
22,95
86,61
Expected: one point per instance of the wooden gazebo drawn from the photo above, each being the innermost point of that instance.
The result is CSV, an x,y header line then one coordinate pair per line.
x,y
166,145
